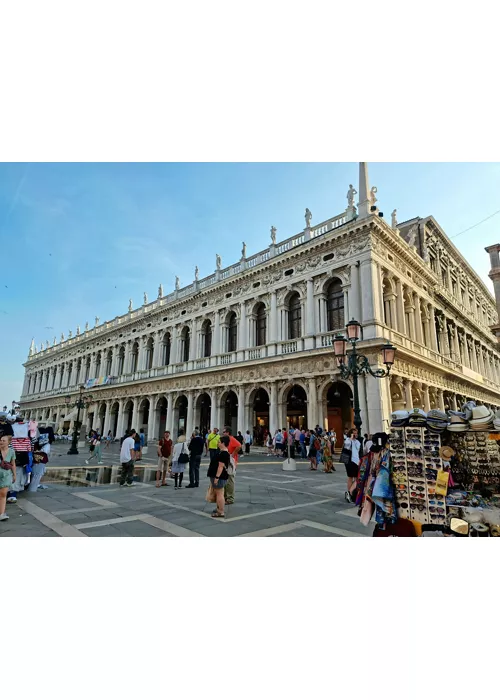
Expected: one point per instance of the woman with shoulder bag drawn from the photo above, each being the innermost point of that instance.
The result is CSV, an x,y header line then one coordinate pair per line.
x,y
180,457
218,473
7,473
350,457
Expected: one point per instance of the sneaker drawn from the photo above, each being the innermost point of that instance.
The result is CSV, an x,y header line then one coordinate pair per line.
x,y
4,516
348,497
12,499
129,484
86,461
100,462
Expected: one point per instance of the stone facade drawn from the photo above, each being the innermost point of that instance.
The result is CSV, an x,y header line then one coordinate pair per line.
x,y
252,343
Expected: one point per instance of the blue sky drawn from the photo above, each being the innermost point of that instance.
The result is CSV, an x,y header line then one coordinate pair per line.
x,y
78,240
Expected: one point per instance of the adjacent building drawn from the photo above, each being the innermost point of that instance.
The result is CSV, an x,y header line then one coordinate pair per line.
x,y
251,345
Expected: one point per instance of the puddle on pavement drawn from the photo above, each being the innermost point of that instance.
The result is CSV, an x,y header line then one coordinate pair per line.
x,y
94,476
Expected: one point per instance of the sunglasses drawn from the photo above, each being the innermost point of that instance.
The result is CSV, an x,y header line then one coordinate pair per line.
x,y
433,509
416,472
414,494
404,506
437,518
417,506
436,503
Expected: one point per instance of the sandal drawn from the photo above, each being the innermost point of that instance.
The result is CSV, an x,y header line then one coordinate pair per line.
x,y
218,515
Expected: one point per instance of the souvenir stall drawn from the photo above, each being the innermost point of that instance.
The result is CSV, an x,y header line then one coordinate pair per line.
x,y
446,469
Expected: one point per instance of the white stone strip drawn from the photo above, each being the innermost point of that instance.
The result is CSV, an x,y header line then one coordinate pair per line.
x,y
333,530
268,532
351,512
275,510
177,507
50,520
110,521
172,529
290,490
93,499
269,481
90,509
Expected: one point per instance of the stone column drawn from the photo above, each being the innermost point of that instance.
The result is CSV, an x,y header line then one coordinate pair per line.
x,y
152,422
135,413
157,348
440,398
273,319
121,419
192,342
107,418
378,403
142,352
354,295
432,328
242,417
309,341
242,331
418,320
312,403
400,313
365,418
169,423
216,335
408,396
427,401
479,354
273,409
454,405
370,295
190,414
92,366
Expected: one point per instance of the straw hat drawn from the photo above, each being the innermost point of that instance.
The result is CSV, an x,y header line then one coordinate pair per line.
x,y
446,453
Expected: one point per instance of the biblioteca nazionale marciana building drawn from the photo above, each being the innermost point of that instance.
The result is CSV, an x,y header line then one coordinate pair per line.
x,y
251,345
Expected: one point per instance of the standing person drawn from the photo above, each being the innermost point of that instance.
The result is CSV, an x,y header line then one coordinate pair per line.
x,y
302,444
327,455
270,445
213,442
234,447
180,456
142,438
7,473
314,446
353,445
218,473
241,440
109,440
127,457
206,442
195,453
164,455
278,443
137,446
333,440
367,444
95,446
248,442
291,443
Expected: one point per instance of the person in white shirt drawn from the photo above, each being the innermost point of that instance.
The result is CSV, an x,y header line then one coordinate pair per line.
x,y
353,445
127,457
248,442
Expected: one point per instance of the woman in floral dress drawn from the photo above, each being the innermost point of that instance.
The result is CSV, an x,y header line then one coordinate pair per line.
x,y
327,455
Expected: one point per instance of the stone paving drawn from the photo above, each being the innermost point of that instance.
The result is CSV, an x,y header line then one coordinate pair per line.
x,y
269,502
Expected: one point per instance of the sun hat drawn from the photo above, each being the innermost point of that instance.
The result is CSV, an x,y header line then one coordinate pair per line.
x,y
457,418
446,452
467,409
399,418
481,414
458,427
437,415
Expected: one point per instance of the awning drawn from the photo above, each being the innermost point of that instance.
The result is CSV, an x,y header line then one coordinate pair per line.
x,y
92,408
71,415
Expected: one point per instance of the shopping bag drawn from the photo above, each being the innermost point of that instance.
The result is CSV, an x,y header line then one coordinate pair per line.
x,y
211,497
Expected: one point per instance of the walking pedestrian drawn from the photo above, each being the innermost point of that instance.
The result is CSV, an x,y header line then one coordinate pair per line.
x,y
270,445
302,444
180,457
137,446
313,451
213,442
218,474
278,443
352,445
195,453
95,449
164,456
248,442
109,440
333,440
327,455
127,457
7,473
241,440
234,447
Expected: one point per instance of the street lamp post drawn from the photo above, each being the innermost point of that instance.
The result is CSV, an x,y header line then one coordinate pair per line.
x,y
354,364
80,403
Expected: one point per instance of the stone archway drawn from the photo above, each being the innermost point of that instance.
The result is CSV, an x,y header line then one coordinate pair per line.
x,y
339,412
143,415
203,413
180,415
296,407
229,408
161,417
259,403
128,411
113,423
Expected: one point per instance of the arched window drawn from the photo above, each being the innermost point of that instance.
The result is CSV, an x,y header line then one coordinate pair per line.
x,y
109,360
149,353
260,325
98,365
185,339
294,317
135,357
335,306
166,345
207,338
121,360
232,336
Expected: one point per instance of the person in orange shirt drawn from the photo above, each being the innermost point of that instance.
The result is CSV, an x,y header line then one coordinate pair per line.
x,y
234,448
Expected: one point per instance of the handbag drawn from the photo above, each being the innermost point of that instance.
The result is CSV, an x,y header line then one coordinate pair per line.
x,y
183,457
210,495
345,456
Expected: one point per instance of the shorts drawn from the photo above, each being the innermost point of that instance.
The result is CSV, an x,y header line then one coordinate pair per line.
x,y
352,470
220,484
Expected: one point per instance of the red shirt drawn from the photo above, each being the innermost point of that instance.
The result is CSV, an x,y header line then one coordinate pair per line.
x,y
165,447
234,444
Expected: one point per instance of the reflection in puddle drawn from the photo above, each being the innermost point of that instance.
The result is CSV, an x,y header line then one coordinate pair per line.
x,y
94,476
